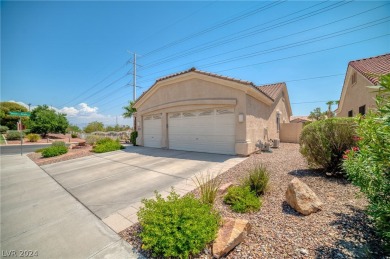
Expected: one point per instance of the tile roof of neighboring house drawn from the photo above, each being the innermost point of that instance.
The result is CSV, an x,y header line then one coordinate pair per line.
x,y
272,90
372,67
299,118
266,89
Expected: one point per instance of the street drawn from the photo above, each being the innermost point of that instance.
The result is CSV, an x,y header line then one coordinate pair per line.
x,y
15,149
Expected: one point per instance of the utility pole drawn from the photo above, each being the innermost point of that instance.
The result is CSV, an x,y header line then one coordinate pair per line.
x,y
134,76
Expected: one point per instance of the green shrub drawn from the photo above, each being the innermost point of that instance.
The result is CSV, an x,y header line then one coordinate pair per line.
x,y
27,131
107,145
14,135
177,227
74,135
33,137
242,199
39,150
3,129
54,151
208,187
323,142
257,180
58,144
368,164
133,137
91,139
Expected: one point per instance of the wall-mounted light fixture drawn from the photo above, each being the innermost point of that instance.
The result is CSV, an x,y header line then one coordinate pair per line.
x,y
241,117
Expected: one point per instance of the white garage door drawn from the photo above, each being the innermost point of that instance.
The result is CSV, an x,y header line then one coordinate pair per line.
x,y
211,131
152,131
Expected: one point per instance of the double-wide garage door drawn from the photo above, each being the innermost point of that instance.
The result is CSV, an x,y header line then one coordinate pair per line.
x,y
211,131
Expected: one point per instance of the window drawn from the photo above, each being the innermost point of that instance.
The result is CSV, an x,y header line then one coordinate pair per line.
x,y
354,78
350,113
362,110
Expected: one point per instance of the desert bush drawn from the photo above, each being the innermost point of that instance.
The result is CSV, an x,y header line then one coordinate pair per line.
x,y
133,137
33,137
27,131
367,164
208,187
242,199
177,226
257,180
107,145
91,139
14,135
323,142
55,150
74,135
3,129
58,144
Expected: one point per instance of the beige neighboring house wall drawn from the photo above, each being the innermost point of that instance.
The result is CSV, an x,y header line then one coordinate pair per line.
x,y
360,74
290,132
195,90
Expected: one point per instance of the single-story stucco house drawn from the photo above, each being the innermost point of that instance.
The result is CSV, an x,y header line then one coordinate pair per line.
x,y
200,111
356,97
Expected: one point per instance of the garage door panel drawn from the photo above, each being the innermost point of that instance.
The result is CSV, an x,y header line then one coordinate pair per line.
x,y
152,131
203,131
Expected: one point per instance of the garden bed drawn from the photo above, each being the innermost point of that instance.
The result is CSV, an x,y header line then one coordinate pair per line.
x,y
340,230
79,151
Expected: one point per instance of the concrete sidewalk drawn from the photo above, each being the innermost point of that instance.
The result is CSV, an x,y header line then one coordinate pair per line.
x,y
37,214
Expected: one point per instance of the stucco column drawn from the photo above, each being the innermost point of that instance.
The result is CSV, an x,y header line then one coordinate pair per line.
x,y
139,128
164,130
242,145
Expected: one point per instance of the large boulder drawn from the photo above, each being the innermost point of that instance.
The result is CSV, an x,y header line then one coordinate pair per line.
x,y
300,197
232,233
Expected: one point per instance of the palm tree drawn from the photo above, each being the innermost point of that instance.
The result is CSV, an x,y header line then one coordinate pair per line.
x,y
330,113
129,112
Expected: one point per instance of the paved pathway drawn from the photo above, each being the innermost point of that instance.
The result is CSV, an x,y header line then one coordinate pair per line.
x,y
37,214
113,184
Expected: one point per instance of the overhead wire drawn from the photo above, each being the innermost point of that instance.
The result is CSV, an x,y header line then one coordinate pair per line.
x,y
232,20
238,36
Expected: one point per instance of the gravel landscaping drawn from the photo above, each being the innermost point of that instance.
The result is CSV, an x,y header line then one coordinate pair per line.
x,y
340,230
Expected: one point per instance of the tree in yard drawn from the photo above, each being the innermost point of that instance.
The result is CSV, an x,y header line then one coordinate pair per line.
x,y
94,126
129,112
8,120
316,114
330,112
73,128
44,120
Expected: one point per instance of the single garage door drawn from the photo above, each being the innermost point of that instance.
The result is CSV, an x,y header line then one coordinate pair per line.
x,y
211,131
152,130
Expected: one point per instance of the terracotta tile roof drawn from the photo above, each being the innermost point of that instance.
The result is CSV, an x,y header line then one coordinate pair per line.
x,y
272,90
299,119
372,67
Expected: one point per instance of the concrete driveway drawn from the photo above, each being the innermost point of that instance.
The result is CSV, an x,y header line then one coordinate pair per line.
x,y
112,185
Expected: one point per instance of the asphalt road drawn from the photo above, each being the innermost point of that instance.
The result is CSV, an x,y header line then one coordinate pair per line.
x,y
15,149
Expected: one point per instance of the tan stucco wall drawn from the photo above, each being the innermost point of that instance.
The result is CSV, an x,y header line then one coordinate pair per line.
x,y
193,92
290,132
355,95
261,121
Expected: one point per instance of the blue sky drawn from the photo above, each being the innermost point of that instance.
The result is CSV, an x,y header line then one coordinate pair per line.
x,y
74,55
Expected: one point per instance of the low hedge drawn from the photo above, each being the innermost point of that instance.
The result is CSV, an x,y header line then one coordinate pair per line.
x,y
14,135
177,227
54,151
107,145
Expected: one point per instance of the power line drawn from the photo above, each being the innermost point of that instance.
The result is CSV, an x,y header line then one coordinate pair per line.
x,y
214,43
307,53
232,20
93,86
295,44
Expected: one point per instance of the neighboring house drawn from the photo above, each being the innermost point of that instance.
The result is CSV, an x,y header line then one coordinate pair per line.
x,y
200,111
356,97
299,119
